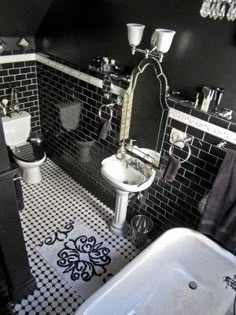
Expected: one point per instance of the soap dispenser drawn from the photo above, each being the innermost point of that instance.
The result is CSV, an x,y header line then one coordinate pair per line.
x,y
121,153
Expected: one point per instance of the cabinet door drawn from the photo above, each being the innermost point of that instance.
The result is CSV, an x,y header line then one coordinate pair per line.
x,y
4,159
4,292
12,244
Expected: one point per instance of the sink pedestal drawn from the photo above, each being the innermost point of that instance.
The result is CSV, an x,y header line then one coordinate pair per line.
x,y
125,179
118,223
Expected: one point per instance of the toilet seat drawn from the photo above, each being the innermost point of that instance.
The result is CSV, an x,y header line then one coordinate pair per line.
x,y
28,153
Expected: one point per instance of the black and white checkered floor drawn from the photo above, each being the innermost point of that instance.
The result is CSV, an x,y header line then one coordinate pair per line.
x,y
57,200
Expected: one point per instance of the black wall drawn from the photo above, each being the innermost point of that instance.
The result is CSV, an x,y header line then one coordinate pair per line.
x,y
203,51
21,18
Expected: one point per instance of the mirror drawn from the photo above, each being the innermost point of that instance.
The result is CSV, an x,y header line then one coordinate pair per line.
x,y
145,111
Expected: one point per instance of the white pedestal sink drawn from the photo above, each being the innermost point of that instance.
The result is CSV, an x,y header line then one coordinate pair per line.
x,y
125,179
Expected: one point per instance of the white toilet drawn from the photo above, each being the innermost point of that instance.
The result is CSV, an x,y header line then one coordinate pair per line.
x,y
28,156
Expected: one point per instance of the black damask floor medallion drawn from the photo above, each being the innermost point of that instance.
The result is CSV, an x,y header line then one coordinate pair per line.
x,y
52,211
81,257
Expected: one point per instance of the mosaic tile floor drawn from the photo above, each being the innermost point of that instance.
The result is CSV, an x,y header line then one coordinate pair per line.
x,y
57,200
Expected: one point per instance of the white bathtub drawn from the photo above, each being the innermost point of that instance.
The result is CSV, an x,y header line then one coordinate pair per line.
x,y
156,282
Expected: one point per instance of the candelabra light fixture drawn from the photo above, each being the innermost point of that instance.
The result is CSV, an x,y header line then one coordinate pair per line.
x,y
161,41
218,9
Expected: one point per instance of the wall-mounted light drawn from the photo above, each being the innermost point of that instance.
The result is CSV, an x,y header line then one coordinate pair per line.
x,y
23,43
161,40
2,46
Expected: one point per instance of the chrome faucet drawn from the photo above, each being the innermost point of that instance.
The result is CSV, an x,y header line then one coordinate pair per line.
x,y
225,113
14,102
230,282
135,164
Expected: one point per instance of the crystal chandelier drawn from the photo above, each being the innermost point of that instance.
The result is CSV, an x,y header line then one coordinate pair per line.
x,y
218,9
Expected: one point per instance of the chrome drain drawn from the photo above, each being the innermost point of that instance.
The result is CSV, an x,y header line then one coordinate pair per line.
x,y
193,285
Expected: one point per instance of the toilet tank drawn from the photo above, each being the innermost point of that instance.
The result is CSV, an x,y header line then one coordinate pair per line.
x,y
16,128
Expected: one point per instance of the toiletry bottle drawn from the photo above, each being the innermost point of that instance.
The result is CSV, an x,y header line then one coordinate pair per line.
x,y
121,153
98,63
207,98
196,100
147,171
218,97
106,66
113,66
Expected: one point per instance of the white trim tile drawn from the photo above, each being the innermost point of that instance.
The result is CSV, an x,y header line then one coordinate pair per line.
x,y
203,125
17,58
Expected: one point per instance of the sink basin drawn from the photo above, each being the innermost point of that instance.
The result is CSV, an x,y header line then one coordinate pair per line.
x,y
181,273
125,178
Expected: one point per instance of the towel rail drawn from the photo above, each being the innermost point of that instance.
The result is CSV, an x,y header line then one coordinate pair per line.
x,y
222,144
110,107
171,150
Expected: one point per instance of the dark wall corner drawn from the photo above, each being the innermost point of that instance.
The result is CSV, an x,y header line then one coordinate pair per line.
x,y
21,18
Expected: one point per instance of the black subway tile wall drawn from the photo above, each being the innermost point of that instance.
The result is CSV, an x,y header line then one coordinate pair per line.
x,y
169,204
23,76
177,203
79,146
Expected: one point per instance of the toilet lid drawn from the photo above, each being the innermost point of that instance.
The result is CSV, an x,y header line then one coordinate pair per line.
x,y
28,153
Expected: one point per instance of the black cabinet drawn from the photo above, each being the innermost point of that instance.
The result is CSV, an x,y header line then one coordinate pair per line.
x,y
16,280
12,245
4,159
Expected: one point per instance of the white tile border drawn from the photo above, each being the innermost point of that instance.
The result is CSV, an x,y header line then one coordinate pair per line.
x,y
17,58
58,66
205,126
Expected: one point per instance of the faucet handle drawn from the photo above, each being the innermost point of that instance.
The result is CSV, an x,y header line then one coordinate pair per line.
x,y
3,107
130,144
4,102
131,141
